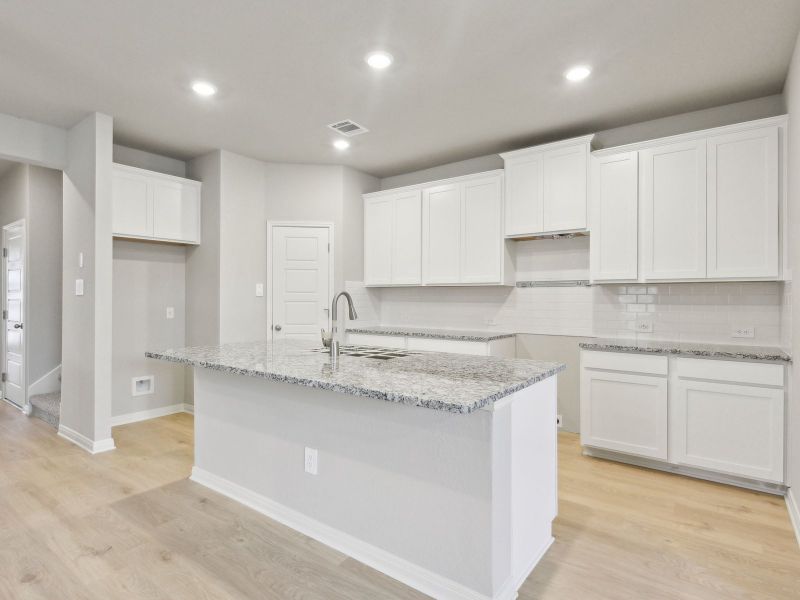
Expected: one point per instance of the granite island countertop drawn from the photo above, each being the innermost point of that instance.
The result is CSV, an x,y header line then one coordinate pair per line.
x,y
455,383
691,349
461,335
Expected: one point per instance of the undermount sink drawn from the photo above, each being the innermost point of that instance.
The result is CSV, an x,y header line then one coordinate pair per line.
x,y
368,352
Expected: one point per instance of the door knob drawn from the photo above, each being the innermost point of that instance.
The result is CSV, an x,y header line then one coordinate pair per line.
x,y
17,325
277,327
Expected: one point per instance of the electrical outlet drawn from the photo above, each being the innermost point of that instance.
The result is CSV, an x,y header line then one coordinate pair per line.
x,y
644,325
170,312
743,332
79,287
312,463
490,321
559,423
259,289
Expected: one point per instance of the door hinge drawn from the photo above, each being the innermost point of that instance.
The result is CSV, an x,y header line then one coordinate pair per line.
x,y
3,378
329,247
5,252
5,314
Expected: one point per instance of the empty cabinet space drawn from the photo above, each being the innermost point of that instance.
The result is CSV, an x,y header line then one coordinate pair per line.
x,y
624,403
733,427
149,205
614,215
546,188
393,238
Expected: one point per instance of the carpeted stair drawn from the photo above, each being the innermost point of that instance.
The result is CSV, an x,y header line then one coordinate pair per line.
x,y
47,407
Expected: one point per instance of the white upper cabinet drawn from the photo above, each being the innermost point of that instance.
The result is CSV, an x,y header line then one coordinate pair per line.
x,y
673,207
378,237
149,205
546,188
743,204
393,238
482,242
441,234
614,198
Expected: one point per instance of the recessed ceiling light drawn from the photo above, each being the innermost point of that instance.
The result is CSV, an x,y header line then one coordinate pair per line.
x,y
341,144
379,60
203,88
578,73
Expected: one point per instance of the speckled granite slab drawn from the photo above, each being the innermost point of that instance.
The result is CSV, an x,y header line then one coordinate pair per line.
x,y
730,351
456,383
435,334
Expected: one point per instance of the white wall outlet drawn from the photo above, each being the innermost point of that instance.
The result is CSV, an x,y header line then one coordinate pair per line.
x,y
743,332
644,324
170,312
79,287
259,289
490,321
312,461
141,386
559,422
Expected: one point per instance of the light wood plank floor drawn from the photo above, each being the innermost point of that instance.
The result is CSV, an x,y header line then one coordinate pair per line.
x,y
128,524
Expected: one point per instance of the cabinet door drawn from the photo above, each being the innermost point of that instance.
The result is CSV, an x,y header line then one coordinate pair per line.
x,y
624,412
613,244
131,204
673,205
482,231
407,239
730,428
176,211
378,240
441,234
743,204
564,188
523,197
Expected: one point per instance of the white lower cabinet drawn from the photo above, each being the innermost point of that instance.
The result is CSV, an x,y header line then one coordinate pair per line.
x,y
724,417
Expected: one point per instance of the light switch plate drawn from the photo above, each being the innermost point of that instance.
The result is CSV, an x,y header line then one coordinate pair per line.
x,y
170,312
259,289
79,287
80,260
743,332
312,463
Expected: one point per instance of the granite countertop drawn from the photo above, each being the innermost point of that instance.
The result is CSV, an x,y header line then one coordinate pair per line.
x,y
455,383
462,335
731,351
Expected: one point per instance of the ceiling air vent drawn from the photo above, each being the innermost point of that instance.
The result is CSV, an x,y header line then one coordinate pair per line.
x,y
348,128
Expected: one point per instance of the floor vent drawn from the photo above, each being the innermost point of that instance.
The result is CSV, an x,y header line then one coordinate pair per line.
x,y
348,128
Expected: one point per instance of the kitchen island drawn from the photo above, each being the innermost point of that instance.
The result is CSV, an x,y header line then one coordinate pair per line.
x,y
436,469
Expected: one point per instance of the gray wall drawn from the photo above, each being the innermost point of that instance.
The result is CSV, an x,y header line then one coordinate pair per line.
x,y
147,160
560,348
45,223
792,94
355,183
148,277
768,106
13,194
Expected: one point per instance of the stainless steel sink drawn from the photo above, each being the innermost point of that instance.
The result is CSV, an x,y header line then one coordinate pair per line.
x,y
368,352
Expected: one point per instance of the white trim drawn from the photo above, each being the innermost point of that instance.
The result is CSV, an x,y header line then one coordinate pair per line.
x,y
435,182
390,564
145,415
188,408
21,224
535,561
84,442
583,139
794,513
46,384
331,263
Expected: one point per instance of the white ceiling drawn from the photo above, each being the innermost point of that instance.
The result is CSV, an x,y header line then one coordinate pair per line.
x,y
471,76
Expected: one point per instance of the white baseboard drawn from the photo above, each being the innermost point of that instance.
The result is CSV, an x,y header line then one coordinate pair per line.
x,y
532,565
412,575
93,447
47,383
794,513
144,415
188,408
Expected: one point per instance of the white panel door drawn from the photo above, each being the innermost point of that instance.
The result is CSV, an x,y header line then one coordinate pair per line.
x,y
564,188
14,306
406,260
730,428
441,234
176,211
132,207
300,282
482,231
378,240
523,197
673,205
614,224
743,201
624,412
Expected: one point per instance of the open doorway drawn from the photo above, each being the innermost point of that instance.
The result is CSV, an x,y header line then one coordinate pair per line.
x,y
30,345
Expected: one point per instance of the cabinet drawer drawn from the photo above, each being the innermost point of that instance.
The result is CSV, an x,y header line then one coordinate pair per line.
x,y
624,361
730,371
